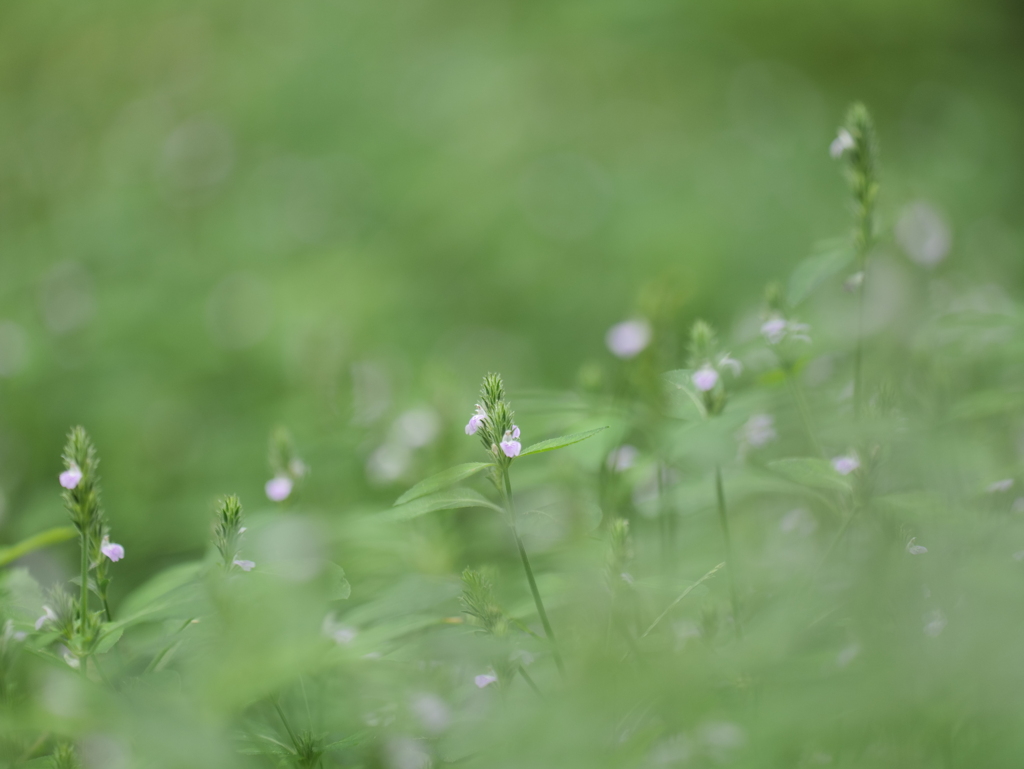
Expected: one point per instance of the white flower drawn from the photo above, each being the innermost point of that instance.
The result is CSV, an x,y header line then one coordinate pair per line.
x,y
49,615
244,565
847,464
730,363
1004,485
431,711
923,234
915,549
629,338
777,329
843,142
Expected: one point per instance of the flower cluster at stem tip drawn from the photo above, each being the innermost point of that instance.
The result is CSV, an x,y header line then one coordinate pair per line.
x,y
493,421
708,363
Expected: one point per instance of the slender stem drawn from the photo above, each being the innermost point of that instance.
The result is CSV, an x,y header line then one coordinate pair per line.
x,y
529,573
723,519
84,600
858,355
805,412
287,726
529,681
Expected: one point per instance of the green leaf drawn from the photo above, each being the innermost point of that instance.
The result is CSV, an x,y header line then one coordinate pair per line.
x,y
561,442
339,588
812,472
442,480
829,258
158,587
444,500
35,542
109,636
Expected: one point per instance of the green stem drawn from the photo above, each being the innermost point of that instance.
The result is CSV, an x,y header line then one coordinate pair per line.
x,y
805,412
858,355
287,726
84,600
529,573
723,519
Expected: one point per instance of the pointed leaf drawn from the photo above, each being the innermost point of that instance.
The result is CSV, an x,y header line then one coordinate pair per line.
x,y
444,500
561,442
811,471
339,588
108,637
35,542
158,587
442,480
829,258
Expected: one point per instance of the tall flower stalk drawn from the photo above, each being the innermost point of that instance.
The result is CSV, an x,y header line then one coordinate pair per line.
x,y
857,144
708,364
494,422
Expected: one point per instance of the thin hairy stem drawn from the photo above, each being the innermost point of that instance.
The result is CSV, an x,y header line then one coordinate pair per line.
x,y
287,726
723,519
83,605
548,631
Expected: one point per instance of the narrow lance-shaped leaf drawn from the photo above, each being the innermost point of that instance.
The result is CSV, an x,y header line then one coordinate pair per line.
x,y
561,442
35,542
444,500
442,480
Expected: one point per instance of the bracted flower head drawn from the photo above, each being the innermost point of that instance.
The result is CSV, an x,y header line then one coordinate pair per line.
x,y
112,550
497,429
476,421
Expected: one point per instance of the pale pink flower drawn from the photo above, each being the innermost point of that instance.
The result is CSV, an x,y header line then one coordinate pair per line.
x,y
244,565
705,378
774,329
843,142
112,550
278,488
629,338
71,477
476,421
485,679
758,430
510,446
846,464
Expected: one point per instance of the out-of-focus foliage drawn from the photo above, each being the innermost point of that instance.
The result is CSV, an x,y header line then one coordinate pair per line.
x,y
271,248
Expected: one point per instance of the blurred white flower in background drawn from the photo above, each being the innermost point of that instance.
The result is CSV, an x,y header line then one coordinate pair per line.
x,y
923,234
847,464
843,142
416,427
629,338
916,549
433,713
999,486
623,457
758,431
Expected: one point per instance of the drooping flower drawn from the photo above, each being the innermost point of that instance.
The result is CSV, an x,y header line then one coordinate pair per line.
x,y
629,338
112,550
476,420
49,615
846,464
71,477
485,679
243,564
705,378
915,549
509,445
843,142
278,488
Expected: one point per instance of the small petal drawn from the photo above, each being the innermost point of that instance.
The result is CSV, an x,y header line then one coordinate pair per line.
x,y
278,488
843,142
485,679
629,338
112,550
71,477
774,330
511,448
915,549
705,378
846,464
244,565
734,366
48,614
515,432
476,421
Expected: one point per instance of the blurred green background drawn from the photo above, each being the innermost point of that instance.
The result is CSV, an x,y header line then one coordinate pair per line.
x,y
220,217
